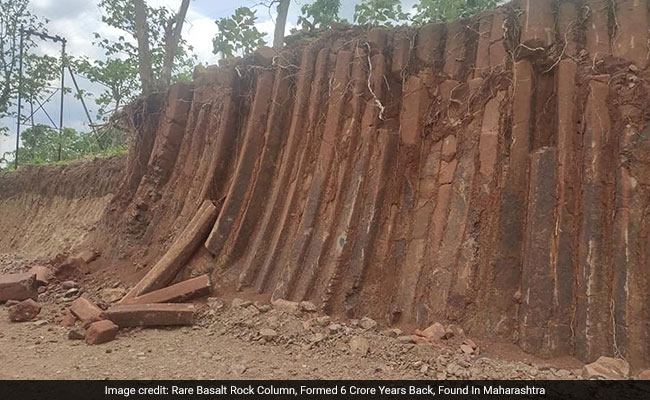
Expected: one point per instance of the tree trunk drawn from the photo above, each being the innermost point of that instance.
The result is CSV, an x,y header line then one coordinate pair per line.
x,y
171,43
280,23
144,55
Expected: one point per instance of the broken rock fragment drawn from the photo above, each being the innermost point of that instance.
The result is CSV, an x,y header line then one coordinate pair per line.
x,y
286,305
606,368
101,332
18,286
24,311
84,309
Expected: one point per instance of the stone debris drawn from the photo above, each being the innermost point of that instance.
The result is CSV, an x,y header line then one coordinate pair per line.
x,y
77,334
308,306
239,303
644,375
435,331
268,334
84,309
101,332
394,332
286,305
71,293
73,267
606,368
68,319
359,346
18,286
367,323
43,275
24,311
69,285
466,349
406,339
112,295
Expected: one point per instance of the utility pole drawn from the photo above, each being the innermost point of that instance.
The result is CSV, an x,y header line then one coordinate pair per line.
x,y
55,39
62,95
20,97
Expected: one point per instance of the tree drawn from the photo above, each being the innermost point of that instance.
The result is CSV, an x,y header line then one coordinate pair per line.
x,y
128,71
37,70
319,14
281,23
379,13
237,33
428,11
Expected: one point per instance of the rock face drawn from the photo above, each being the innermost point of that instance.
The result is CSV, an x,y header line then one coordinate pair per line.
x,y
24,311
457,176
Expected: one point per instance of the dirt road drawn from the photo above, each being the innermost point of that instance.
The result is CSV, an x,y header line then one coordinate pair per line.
x,y
248,342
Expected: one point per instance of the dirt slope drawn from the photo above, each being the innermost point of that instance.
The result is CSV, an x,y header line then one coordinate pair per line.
x,y
49,209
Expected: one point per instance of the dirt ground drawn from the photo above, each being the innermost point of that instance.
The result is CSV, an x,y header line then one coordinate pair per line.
x,y
227,343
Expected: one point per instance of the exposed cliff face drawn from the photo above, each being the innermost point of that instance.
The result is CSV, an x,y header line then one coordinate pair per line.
x,y
493,172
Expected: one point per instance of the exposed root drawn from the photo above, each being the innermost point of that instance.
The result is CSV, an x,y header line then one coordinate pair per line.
x,y
378,103
617,352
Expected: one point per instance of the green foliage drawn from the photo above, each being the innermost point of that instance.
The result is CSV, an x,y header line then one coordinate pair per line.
x,y
40,144
428,11
319,14
386,13
237,33
118,72
37,70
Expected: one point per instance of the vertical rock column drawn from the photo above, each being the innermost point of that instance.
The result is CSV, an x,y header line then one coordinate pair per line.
x,y
253,143
270,221
593,320
597,32
537,277
560,337
506,268
630,295
337,103
538,23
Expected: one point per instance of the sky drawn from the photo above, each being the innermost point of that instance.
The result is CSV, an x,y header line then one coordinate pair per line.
x,y
77,20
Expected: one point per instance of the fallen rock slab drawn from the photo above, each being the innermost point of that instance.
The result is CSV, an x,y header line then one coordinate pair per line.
x,y
85,310
151,314
18,286
179,253
24,311
181,291
606,368
101,332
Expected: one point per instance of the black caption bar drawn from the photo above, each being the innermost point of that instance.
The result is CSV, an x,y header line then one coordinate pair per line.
x,y
361,390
